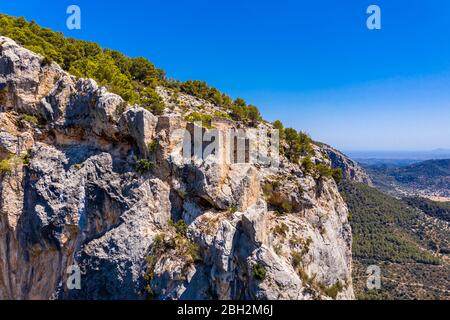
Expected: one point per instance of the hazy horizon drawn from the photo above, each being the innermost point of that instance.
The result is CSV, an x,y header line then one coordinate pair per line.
x,y
315,65
438,154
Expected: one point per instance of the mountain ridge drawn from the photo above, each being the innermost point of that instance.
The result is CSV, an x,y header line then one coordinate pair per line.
x,y
89,180
430,178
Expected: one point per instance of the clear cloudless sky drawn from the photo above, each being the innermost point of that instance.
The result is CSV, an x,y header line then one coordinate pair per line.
x,y
311,63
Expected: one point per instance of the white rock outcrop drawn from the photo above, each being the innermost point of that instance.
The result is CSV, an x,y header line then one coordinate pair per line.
x,y
78,200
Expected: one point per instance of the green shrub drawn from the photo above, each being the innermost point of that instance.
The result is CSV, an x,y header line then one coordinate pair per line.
x,y
13,162
233,210
253,114
199,117
180,226
287,207
153,146
158,241
46,61
299,144
333,290
322,171
271,193
190,249
337,175
279,126
240,111
151,101
143,166
308,165
281,229
297,258
222,114
5,166
29,118
174,98
26,159
259,272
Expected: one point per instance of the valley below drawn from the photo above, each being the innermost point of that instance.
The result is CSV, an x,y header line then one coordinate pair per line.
x,y
401,224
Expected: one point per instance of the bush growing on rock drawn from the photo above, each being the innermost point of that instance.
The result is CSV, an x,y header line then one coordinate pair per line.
x,y
321,170
281,230
26,159
13,162
222,114
143,166
308,165
151,101
299,144
5,166
29,118
337,175
153,146
253,114
195,116
297,258
180,226
333,290
259,272
278,125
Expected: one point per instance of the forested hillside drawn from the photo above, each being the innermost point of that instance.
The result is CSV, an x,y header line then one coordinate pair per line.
x,y
427,178
403,240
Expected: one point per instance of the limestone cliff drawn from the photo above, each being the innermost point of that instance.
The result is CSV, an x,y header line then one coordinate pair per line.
x,y
351,170
87,180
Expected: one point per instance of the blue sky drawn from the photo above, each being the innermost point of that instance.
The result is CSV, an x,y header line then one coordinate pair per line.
x,y
312,64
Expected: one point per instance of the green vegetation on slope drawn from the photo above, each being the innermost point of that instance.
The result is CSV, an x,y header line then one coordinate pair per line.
x,y
135,79
427,169
132,78
392,234
439,210
382,226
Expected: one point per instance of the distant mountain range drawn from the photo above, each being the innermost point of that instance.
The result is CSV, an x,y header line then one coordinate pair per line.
x,y
429,178
399,157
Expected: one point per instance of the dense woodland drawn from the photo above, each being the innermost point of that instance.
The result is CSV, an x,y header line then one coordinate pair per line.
x,y
439,210
395,235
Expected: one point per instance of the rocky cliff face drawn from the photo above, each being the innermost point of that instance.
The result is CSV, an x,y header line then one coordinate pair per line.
x,y
76,189
351,170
